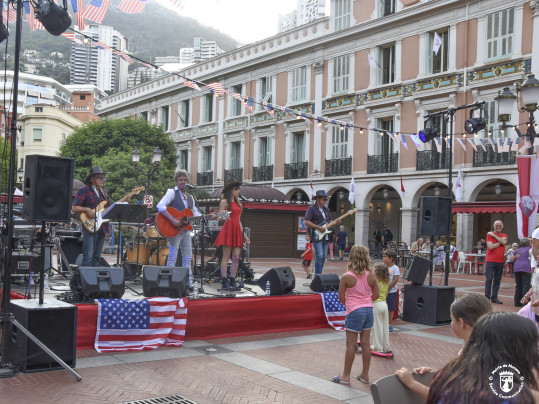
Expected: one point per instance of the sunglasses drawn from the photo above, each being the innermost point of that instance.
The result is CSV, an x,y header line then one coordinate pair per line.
x,y
100,178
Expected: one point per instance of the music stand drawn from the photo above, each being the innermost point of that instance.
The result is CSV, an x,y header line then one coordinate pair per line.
x,y
119,212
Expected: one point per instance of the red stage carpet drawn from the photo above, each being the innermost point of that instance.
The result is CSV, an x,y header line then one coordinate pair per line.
x,y
229,317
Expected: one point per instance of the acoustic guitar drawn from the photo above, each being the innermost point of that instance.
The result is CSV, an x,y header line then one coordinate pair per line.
x,y
94,224
185,217
317,235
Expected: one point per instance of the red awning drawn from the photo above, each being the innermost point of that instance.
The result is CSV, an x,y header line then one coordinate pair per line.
x,y
485,207
275,206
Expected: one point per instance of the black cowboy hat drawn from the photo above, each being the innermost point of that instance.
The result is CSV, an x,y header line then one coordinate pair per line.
x,y
94,171
230,185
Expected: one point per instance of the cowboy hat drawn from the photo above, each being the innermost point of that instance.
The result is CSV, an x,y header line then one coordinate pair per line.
x,y
94,171
320,194
230,185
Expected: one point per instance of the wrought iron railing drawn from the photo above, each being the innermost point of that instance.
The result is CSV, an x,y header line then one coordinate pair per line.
x,y
490,157
205,178
263,173
235,174
383,163
293,171
336,167
432,160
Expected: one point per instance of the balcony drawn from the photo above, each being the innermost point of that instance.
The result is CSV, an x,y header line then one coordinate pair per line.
x,y
383,163
336,167
235,174
263,173
490,157
205,178
294,171
432,160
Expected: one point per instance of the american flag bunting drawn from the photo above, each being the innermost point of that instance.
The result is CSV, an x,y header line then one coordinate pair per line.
x,y
96,10
191,84
132,6
216,88
78,9
334,310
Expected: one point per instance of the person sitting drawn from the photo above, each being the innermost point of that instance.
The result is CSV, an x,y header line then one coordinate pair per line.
x,y
439,255
416,245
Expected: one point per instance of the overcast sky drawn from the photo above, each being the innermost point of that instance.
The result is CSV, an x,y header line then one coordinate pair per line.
x,y
244,20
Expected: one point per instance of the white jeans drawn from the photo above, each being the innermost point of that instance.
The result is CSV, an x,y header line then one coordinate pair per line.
x,y
183,241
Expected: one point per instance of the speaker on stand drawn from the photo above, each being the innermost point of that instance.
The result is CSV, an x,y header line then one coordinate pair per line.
x,y
428,305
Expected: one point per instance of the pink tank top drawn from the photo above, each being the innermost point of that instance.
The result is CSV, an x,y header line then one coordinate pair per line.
x,y
360,295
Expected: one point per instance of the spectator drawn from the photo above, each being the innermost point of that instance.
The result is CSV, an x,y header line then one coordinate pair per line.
x,y
342,241
496,241
532,295
390,257
377,236
481,244
426,246
522,270
380,331
307,256
417,245
387,236
509,254
331,245
439,255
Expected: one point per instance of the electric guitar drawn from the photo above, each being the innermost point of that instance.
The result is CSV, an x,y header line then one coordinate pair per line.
x,y
185,217
317,235
94,224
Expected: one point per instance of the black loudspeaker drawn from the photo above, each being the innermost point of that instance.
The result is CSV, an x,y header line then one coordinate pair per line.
x,y
417,270
164,281
428,305
48,184
325,283
281,279
435,216
98,282
54,324
72,247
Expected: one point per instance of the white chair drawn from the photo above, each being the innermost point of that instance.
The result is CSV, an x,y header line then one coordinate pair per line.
x,y
462,263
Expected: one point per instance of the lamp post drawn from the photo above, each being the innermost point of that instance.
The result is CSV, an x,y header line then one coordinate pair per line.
x,y
20,173
156,156
530,97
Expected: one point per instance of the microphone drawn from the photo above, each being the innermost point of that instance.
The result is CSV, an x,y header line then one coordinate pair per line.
x,y
189,186
243,199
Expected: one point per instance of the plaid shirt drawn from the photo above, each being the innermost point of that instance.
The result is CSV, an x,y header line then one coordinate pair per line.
x,y
87,198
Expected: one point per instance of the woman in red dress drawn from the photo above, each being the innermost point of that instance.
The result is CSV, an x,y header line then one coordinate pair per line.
x,y
231,236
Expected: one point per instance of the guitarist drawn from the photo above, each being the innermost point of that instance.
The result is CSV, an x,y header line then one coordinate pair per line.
x,y
317,215
86,201
179,199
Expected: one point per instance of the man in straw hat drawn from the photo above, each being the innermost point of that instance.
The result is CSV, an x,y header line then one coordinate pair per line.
x,y
86,201
179,199
317,215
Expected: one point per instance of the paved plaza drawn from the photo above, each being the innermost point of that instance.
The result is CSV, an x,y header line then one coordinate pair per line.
x,y
293,367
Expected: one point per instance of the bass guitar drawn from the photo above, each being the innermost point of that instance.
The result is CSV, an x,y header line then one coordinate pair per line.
x,y
185,217
94,224
317,235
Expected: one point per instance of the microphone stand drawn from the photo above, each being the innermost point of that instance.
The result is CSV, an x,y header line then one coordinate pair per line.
x,y
202,245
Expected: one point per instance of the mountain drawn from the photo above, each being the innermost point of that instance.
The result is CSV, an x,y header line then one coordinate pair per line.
x,y
156,32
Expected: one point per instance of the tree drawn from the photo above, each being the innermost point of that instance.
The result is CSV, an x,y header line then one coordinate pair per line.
x,y
5,153
108,144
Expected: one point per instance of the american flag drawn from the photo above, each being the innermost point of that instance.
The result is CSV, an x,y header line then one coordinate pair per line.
x,y
237,96
216,88
250,102
334,309
71,36
9,13
132,6
123,55
124,325
191,83
101,45
268,108
96,10
177,3
29,11
78,9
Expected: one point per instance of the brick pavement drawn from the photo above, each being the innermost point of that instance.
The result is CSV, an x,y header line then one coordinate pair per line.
x,y
287,367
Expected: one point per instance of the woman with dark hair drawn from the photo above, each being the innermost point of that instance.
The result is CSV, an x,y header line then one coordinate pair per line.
x,y
231,236
499,364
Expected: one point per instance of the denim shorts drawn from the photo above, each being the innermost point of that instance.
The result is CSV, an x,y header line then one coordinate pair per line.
x,y
391,301
359,320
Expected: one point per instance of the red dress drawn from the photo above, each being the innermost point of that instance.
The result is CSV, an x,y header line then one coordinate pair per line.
x,y
231,234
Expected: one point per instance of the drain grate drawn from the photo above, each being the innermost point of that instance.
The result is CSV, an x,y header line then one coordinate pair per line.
x,y
176,399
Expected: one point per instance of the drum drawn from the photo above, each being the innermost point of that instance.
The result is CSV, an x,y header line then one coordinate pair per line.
x,y
153,232
163,255
138,253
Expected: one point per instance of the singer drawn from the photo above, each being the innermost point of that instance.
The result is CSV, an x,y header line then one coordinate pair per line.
x,y
231,236
179,199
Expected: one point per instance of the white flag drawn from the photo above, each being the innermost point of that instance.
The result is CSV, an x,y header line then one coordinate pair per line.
x,y
372,62
352,191
458,190
272,185
436,43
461,141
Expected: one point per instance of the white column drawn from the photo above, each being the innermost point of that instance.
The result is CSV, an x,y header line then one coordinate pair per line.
x,y
317,134
452,66
218,150
409,231
398,58
465,231
362,227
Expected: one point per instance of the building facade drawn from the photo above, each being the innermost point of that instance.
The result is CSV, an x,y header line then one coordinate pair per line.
x,y
370,70
306,11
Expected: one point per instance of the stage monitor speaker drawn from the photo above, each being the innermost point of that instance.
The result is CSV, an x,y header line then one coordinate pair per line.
x,y
281,279
435,216
428,305
98,282
72,248
48,184
325,283
53,323
417,270
164,281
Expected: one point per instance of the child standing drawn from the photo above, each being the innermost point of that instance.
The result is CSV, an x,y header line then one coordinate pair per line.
x,y
390,257
357,290
380,331
307,256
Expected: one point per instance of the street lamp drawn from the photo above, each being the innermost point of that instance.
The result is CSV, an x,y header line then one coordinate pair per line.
x,y
20,173
530,97
155,161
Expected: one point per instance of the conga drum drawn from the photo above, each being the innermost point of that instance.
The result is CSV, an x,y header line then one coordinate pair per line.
x,y
138,253
162,253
